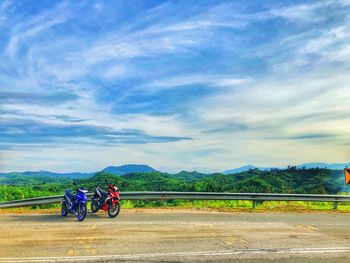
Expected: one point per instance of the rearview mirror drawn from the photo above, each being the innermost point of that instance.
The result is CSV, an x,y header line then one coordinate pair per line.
x,y
74,183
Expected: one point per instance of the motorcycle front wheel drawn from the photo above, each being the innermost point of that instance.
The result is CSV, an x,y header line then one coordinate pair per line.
x,y
81,213
114,210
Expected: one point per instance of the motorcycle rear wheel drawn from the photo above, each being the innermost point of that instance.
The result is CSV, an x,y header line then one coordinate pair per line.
x,y
94,206
64,209
113,211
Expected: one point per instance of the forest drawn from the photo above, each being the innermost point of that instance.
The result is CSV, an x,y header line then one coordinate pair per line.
x,y
291,180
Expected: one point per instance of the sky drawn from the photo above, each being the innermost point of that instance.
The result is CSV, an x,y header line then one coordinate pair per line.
x,y
178,85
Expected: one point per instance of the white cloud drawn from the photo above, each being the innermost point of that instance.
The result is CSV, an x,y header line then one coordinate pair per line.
x,y
15,40
220,81
114,71
299,79
300,12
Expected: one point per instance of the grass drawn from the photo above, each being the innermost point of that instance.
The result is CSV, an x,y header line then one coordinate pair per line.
x,y
222,205
242,204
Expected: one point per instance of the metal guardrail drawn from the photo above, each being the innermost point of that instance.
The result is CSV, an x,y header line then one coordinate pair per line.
x,y
254,197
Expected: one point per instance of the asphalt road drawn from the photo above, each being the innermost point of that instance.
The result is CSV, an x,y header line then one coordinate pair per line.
x,y
180,235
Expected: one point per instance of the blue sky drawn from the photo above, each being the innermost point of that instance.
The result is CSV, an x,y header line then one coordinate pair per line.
x,y
205,85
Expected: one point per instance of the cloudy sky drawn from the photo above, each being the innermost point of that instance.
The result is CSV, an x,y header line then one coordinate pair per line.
x,y
205,85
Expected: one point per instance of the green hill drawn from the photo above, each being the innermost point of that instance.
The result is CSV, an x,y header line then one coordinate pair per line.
x,y
291,180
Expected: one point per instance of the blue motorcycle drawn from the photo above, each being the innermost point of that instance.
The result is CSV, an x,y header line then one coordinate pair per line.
x,y
75,203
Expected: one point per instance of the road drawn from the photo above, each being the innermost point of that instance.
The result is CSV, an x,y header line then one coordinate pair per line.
x,y
177,235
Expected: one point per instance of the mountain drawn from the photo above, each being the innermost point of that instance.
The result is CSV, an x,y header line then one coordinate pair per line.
x,y
291,180
330,166
241,169
74,175
129,168
116,170
299,181
141,168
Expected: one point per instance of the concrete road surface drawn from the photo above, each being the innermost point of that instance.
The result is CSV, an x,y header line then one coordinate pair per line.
x,y
177,235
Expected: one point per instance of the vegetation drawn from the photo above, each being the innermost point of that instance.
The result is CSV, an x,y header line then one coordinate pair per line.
x,y
237,204
291,180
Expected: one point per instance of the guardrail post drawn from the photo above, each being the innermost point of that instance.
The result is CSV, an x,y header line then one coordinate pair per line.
x,y
335,204
253,204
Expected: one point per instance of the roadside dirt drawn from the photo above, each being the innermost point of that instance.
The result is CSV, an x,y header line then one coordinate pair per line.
x,y
29,211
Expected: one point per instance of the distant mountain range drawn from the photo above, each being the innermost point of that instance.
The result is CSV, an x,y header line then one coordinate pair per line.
x,y
142,168
115,170
55,175
243,169
331,166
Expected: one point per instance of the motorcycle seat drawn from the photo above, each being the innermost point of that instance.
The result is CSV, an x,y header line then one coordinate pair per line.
x,y
103,192
71,196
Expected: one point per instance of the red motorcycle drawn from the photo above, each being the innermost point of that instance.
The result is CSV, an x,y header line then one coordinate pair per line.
x,y
107,201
